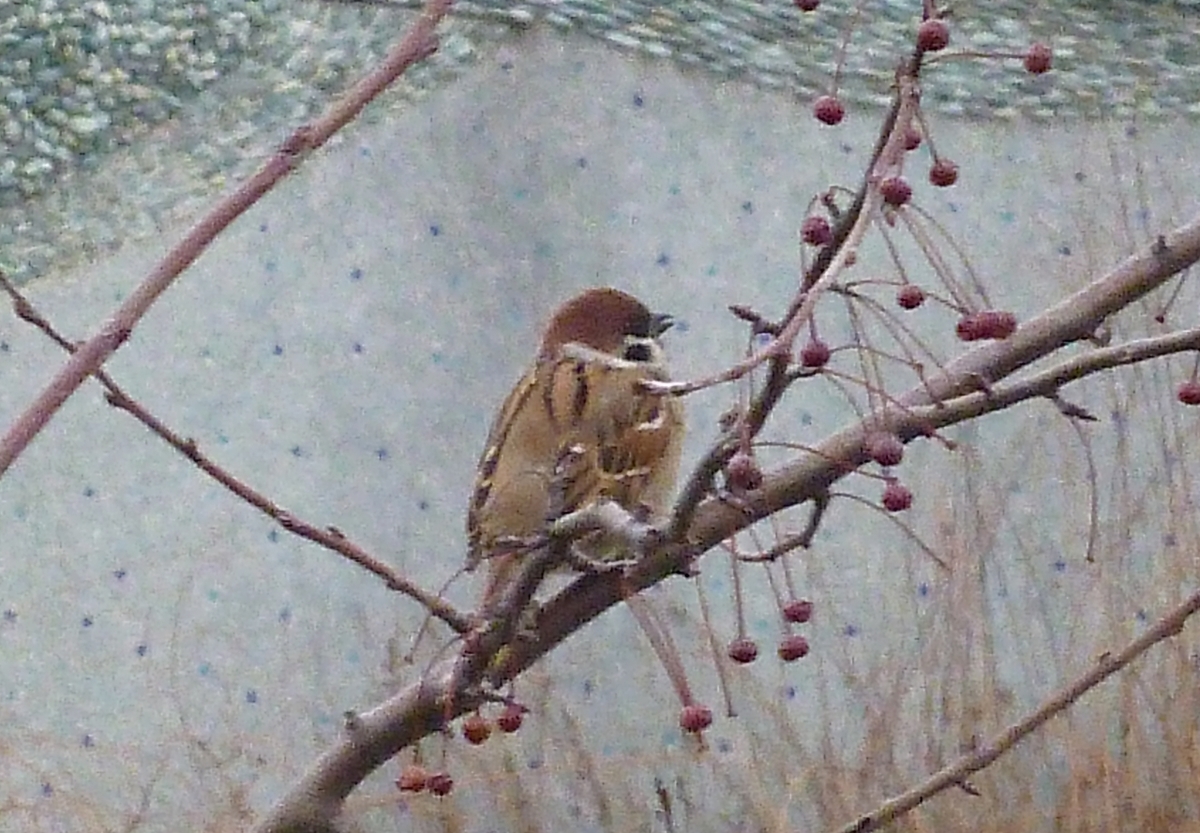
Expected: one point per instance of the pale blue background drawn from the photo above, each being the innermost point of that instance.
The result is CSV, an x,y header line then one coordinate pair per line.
x,y
343,346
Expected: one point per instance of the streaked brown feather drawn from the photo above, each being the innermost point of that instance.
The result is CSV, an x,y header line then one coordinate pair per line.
x,y
629,440
623,445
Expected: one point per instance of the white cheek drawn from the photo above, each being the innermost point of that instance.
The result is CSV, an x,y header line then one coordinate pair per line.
x,y
580,352
658,362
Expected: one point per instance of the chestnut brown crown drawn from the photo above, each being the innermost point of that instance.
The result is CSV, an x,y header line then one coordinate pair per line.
x,y
603,319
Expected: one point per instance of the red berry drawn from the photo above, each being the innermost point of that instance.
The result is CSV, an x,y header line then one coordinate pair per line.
x,y
798,611
815,231
793,647
987,324
742,472
694,718
896,496
884,448
815,354
441,783
912,138
476,729
895,190
933,36
1189,392
511,718
413,779
743,650
910,296
1038,59
944,173
807,5
829,110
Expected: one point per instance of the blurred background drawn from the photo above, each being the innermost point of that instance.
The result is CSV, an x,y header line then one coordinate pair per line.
x,y
170,659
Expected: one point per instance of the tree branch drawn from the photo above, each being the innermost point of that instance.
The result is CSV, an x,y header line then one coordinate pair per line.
x,y
330,537
1107,664
957,387
419,43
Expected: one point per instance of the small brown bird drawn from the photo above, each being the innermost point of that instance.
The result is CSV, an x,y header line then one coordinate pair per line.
x,y
580,397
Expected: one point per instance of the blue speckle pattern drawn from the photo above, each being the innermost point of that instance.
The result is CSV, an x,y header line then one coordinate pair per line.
x,y
373,417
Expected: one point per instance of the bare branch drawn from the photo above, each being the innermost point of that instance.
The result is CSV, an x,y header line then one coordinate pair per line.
x,y
419,43
811,475
1107,664
330,538
314,802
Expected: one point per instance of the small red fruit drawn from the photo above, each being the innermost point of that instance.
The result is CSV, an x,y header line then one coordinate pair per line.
x,y
884,448
912,138
476,729
798,611
413,779
1189,392
896,496
694,718
793,647
910,296
807,5
441,783
1038,59
987,324
743,650
815,231
815,353
933,36
944,173
742,472
895,190
511,718
829,110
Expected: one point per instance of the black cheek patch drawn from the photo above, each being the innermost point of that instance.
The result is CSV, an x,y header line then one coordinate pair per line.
x,y
637,353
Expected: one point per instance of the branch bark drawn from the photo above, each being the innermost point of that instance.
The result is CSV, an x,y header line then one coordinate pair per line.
x,y
417,44
1106,665
958,393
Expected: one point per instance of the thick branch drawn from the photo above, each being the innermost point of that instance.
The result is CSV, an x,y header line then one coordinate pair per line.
x,y
958,390
367,741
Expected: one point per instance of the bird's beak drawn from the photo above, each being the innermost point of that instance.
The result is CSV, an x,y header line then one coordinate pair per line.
x,y
660,324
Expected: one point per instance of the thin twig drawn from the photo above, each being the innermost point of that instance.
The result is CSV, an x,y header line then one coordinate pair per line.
x,y
419,43
330,537
829,264
1107,664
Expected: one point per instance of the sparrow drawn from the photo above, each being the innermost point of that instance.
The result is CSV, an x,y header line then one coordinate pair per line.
x,y
581,398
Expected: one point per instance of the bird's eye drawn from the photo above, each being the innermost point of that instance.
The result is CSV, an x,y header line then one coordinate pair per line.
x,y
637,351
